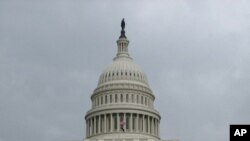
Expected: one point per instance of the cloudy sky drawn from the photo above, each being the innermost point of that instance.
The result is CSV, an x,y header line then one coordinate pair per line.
x,y
195,53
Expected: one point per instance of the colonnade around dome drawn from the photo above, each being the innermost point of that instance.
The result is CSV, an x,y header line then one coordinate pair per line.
x,y
134,123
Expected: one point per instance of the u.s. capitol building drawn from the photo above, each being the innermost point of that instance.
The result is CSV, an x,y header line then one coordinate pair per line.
x,y
123,103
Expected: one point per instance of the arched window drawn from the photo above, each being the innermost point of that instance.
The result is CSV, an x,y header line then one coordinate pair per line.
x,y
101,100
97,101
106,99
141,99
116,98
126,97
133,99
121,97
137,98
110,98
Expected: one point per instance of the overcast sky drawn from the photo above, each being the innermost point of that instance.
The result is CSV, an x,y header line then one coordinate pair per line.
x,y
196,54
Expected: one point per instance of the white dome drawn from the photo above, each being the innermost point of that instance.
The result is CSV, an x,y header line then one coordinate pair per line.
x,y
122,96
123,69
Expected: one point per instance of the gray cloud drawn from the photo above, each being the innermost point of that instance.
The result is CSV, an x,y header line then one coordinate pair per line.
x,y
195,53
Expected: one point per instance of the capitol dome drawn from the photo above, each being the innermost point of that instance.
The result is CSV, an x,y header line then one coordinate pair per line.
x,y
123,69
122,103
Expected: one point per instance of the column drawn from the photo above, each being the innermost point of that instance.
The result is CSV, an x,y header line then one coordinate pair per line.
x,y
111,122
157,131
148,124
118,122
143,123
99,123
137,122
152,125
87,125
130,123
94,127
105,123
159,127
156,127
90,125
125,120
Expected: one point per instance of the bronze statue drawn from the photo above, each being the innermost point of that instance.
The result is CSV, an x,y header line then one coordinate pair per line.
x,y
123,24
123,31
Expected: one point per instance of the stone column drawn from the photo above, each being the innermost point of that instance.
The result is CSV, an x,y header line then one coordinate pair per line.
x,y
157,131
158,127
111,122
130,123
143,123
148,125
105,123
94,127
152,125
137,122
125,120
118,122
90,126
87,125
99,124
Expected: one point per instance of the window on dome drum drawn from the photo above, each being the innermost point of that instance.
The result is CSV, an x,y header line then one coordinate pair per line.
x,y
116,98
97,101
141,99
101,100
121,97
126,73
126,97
145,101
110,98
121,73
106,99
137,98
132,98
